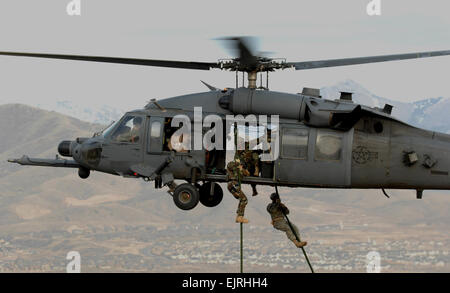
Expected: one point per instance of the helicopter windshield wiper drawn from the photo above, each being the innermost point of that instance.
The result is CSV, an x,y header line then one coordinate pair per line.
x,y
101,131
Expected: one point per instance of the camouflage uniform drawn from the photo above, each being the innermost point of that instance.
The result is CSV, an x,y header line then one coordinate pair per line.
x,y
234,185
279,222
250,161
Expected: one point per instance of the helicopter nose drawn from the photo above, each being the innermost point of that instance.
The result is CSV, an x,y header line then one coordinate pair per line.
x,y
65,148
89,153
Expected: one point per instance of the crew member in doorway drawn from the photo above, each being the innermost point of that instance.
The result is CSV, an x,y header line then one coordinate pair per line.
x,y
250,160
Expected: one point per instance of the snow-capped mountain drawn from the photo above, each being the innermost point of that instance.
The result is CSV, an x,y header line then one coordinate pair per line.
x,y
362,96
103,114
432,113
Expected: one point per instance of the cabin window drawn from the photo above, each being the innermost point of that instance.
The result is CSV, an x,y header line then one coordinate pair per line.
x,y
328,146
155,135
378,127
295,143
155,130
129,130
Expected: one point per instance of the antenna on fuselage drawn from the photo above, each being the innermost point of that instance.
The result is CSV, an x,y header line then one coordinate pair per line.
x,y
158,105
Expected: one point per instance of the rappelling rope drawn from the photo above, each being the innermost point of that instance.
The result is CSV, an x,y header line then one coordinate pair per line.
x,y
296,236
242,248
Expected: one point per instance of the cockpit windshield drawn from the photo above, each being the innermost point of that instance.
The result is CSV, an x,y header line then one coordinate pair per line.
x,y
129,130
107,131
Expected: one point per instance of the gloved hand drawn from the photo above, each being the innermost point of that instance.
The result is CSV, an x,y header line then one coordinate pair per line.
x,y
245,172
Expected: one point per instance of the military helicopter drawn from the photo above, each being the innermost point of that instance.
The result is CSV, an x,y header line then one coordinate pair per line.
x,y
322,143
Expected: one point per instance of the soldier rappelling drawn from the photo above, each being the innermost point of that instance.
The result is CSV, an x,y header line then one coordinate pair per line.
x,y
277,211
236,171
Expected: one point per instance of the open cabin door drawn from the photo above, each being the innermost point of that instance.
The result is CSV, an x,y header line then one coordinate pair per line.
x,y
159,148
314,157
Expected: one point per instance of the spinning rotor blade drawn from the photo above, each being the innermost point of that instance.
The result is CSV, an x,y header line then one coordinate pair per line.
x,y
247,60
119,60
363,60
243,49
246,56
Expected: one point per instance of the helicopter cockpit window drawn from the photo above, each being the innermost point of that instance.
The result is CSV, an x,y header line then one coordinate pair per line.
x,y
129,130
295,143
328,146
107,131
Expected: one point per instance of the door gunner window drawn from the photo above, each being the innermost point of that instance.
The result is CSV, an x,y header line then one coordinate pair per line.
x,y
295,143
328,146
129,130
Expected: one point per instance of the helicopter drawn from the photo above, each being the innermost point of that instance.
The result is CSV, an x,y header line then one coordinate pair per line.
x,y
320,143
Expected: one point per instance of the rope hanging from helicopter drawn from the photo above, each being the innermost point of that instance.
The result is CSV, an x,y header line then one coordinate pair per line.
x,y
296,236
290,226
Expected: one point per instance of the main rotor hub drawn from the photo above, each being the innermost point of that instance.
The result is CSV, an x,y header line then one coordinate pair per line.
x,y
258,64
252,67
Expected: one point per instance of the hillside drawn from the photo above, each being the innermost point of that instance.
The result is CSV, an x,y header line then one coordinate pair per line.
x,y
49,211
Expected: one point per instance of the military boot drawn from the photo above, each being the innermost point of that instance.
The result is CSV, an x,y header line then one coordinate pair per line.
x,y
241,219
255,192
300,244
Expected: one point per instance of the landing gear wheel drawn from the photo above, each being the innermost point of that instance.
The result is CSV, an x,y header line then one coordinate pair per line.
x,y
208,199
83,172
186,196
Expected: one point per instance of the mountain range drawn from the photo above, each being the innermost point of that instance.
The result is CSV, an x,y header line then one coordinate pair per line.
x,y
45,212
430,113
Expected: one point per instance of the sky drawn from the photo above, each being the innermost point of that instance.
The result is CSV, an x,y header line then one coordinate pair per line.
x,y
186,30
